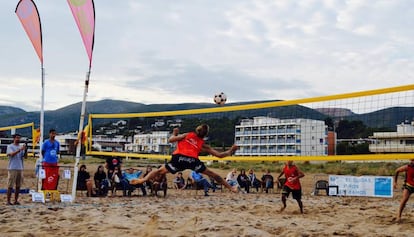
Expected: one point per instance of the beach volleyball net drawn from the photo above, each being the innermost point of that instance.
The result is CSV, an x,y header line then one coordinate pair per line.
x,y
30,137
366,125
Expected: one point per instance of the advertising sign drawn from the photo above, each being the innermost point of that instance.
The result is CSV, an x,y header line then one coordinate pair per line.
x,y
367,186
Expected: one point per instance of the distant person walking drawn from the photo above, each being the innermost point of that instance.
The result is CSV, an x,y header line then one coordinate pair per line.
x,y
189,145
15,153
292,184
408,186
50,154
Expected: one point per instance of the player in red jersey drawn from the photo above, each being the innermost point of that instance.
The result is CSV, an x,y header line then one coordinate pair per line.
x,y
408,187
292,184
189,145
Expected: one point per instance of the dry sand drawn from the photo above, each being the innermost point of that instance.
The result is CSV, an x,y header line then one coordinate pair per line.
x,y
187,213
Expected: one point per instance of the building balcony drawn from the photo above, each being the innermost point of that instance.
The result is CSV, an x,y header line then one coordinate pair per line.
x,y
291,151
397,148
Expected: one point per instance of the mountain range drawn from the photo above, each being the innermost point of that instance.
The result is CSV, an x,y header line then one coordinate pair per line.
x,y
66,119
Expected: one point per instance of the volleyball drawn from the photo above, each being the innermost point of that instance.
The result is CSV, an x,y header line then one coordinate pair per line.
x,y
220,98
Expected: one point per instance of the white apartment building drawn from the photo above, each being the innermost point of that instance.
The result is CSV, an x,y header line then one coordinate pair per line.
x,y
265,136
394,142
155,142
100,143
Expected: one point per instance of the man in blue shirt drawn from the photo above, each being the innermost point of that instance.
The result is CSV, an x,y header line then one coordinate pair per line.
x,y
131,175
16,153
51,149
201,181
50,152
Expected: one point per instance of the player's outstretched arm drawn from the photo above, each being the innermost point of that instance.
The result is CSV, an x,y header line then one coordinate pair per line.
x,y
175,137
219,154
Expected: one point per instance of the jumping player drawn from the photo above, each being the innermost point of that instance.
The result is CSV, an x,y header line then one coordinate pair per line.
x,y
189,145
408,187
292,184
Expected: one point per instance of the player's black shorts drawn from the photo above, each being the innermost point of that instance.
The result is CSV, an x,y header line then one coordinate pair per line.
x,y
180,162
296,194
409,188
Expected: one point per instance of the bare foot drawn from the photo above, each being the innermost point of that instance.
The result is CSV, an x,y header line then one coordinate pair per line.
x,y
396,220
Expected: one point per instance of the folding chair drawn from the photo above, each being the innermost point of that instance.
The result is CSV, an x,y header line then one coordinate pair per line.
x,y
321,185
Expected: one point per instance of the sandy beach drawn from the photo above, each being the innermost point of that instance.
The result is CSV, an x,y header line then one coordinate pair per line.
x,y
187,213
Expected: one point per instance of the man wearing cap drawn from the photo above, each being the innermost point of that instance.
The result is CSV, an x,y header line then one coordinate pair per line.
x,y
15,153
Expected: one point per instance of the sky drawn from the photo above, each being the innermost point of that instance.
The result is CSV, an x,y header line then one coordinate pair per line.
x,y
163,52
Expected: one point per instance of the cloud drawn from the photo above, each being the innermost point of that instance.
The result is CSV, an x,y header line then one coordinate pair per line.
x,y
194,79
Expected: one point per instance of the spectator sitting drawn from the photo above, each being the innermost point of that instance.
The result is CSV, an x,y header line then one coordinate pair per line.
x,y
119,182
231,179
254,182
179,182
111,163
101,181
189,183
159,182
200,181
267,180
131,175
148,184
84,182
243,180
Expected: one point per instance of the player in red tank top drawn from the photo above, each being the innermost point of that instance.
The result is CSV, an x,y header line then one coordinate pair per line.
x,y
189,145
408,187
292,184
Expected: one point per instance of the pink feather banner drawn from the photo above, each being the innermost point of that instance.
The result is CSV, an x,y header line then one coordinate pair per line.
x,y
84,13
28,15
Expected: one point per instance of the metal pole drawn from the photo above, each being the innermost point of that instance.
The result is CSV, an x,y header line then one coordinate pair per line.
x,y
78,147
42,118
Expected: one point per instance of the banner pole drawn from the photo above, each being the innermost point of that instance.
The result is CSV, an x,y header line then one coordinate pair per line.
x,y
84,14
78,146
26,11
42,120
